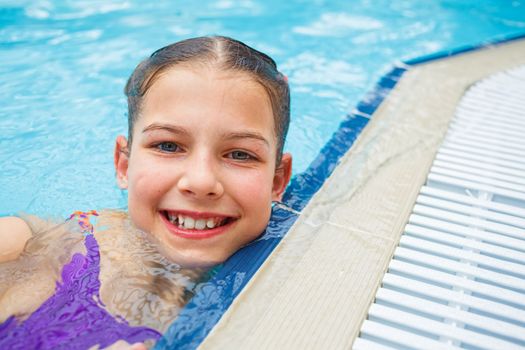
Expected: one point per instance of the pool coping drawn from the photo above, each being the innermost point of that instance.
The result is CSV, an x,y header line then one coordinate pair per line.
x,y
233,285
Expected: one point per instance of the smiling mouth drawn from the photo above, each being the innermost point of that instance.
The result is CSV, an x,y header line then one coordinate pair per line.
x,y
184,221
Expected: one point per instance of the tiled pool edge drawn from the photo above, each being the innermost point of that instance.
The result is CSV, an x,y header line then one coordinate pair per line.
x,y
200,315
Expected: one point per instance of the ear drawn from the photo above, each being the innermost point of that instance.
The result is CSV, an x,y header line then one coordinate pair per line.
x,y
121,160
282,177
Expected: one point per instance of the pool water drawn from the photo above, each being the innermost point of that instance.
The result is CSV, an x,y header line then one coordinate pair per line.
x,y
64,66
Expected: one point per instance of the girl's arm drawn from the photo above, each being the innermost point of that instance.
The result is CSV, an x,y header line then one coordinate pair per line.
x,y
14,233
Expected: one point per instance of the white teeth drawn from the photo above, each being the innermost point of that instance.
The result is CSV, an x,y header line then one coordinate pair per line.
x,y
200,224
189,223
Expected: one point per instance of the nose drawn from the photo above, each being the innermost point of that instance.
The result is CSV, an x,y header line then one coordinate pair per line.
x,y
200,178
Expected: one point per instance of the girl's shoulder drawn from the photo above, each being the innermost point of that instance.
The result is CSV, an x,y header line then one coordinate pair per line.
x,y
29,233
14,233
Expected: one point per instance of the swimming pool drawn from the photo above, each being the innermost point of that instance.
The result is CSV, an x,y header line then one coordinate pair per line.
x,y
64,66
80,112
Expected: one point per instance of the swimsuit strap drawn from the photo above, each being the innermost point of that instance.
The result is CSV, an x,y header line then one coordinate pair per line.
x,y
83,220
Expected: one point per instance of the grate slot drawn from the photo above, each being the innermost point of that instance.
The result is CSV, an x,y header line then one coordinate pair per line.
x,y
485,236
442,167
459,267
452,314
454,159
446,331
469,221
466,243
401,339
473,201
455,297
470,210
484,158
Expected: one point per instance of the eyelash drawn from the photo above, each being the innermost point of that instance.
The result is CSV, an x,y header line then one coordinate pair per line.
x,y
247,156
159,145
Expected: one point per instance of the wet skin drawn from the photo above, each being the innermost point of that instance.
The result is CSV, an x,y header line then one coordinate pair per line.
x,y
201,171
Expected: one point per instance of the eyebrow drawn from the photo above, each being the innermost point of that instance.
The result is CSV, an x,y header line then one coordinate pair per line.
x,y
246,135
168,127
229,136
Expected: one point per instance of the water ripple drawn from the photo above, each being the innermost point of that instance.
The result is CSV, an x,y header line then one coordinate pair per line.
x,y
311,68
338,24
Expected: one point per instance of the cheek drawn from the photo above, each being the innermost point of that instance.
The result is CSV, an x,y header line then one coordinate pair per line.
x,y
140,184
145,174
254,189
146,184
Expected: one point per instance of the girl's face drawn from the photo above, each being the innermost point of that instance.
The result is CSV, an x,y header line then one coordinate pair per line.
x,y
201,172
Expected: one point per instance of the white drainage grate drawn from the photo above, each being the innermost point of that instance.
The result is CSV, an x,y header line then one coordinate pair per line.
x,y
457,279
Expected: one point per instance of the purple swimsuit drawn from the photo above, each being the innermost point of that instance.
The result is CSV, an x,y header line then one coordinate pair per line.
x,y
73,318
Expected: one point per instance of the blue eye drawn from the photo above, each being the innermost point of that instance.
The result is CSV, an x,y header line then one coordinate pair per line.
x,y
168,147
240,155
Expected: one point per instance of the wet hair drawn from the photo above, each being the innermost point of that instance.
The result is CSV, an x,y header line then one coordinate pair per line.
x,y
221,53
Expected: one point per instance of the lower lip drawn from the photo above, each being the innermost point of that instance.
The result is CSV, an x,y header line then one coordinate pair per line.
x,y
195,234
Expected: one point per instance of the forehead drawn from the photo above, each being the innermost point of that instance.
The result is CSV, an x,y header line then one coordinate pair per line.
x,y
205,94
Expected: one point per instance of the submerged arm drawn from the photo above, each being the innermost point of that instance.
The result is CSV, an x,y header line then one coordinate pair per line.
x,y
14,233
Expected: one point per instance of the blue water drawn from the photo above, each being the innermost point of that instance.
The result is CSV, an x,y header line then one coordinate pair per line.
x,y
63,68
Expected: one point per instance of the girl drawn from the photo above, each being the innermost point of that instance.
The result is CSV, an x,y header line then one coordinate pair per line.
x,y
202,163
